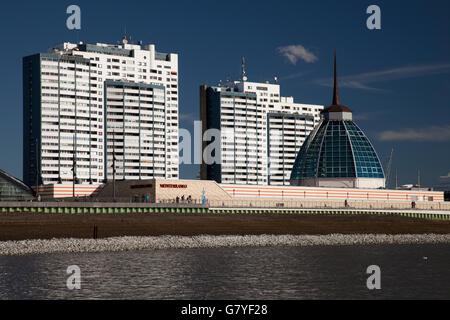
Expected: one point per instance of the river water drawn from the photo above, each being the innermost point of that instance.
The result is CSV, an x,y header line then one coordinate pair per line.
x,y
316,272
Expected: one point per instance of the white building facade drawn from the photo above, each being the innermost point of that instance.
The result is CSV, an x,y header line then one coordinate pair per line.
x,y
261,132
87,104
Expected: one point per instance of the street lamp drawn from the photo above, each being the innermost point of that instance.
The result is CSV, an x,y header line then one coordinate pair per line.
x,y
74,164
114,165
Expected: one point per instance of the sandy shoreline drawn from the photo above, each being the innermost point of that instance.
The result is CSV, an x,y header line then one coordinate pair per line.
x,y
28,247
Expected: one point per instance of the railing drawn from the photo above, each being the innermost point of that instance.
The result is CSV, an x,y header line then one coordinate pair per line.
x,y
182,202
96,204
330,204
235,203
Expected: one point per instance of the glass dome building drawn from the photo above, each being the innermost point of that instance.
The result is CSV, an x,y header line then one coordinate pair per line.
x,y
337,153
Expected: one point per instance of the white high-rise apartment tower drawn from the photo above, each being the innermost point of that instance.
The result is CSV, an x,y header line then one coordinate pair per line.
x,y
261,132
87,104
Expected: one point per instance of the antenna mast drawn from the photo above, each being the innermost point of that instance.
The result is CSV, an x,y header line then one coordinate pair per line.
x,y
244,77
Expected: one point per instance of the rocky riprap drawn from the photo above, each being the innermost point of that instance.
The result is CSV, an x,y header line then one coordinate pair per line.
x,y
26,247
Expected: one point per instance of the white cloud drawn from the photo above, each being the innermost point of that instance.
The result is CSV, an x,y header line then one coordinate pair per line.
x,y
292,76
362,81
295,52
434,133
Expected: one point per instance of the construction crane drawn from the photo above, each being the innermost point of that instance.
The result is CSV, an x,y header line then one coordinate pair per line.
x,y
388,168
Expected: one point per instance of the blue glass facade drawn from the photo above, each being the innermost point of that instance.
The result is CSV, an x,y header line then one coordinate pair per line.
x,y
337,149
366,160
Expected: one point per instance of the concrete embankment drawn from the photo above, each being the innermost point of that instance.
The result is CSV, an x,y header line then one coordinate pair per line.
x,y
27,247
25,226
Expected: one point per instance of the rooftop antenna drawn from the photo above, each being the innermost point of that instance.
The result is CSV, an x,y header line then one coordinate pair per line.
x,y
335,90
244,77
124,37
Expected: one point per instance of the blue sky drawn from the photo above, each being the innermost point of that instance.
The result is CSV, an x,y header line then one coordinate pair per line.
x,y
396,80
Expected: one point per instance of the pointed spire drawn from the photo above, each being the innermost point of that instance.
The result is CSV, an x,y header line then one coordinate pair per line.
x,y
336,107
335,91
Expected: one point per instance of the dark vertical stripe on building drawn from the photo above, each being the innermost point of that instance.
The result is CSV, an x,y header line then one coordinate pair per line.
x,y
59,120
105,130
123,132
153,132
76,123
140,151
165,136
90,128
